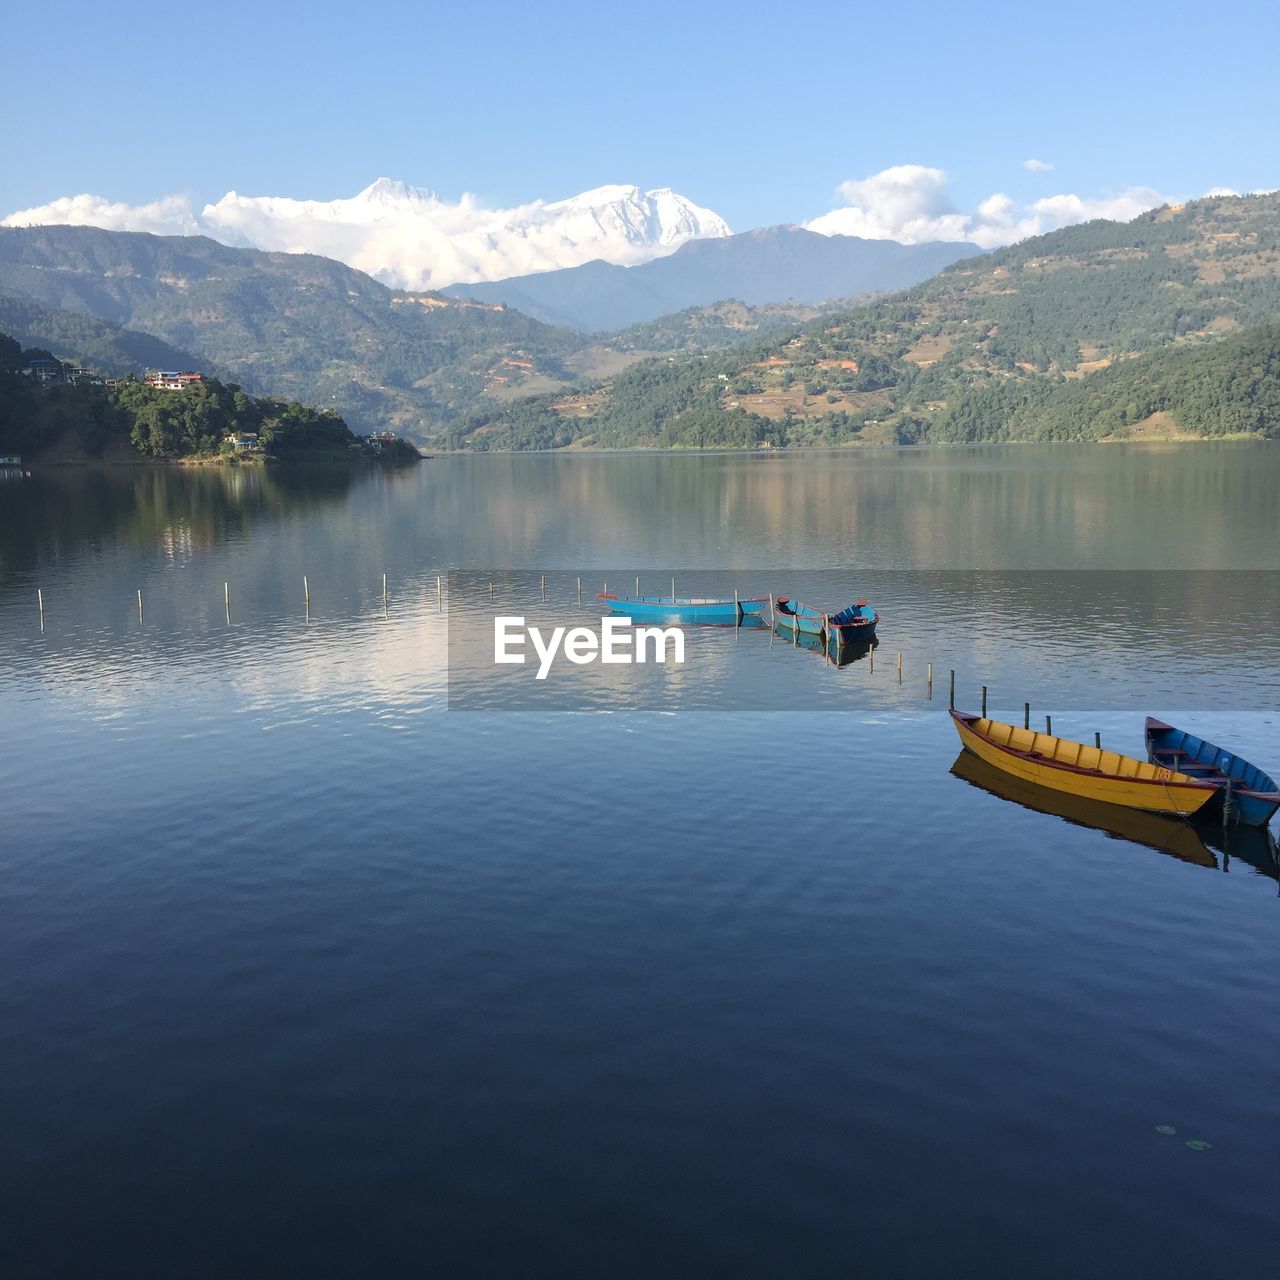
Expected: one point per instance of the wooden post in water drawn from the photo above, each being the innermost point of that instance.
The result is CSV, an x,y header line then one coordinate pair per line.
x,y
984,701
871,654
637,585
139,604
579,591
952,702
1026,715
931,682
542,586
226,600
384,595
737,609
40,602
773,613
491,588
439,591
899,668
673,591
306,598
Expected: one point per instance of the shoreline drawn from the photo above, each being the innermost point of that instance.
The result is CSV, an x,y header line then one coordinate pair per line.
x,y
648,450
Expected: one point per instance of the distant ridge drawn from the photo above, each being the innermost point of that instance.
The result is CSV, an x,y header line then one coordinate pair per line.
x,y
774,264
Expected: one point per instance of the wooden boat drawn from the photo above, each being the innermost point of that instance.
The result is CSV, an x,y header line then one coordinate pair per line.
x,y
703,610
1062,765
1246,794
850,626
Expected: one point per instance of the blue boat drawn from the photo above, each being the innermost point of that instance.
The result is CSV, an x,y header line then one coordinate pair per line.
x,y
703,610
854,625
1249,795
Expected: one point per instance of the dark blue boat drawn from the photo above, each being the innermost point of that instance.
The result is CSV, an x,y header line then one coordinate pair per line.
x,y
1250,796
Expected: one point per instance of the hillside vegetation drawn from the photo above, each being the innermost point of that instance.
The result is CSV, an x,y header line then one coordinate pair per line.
x,y
90,340
88,420
990,349
297,324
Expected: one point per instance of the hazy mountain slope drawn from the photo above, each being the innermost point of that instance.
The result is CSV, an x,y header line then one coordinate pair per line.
x,y
1055,308
75,336
776,264
297,325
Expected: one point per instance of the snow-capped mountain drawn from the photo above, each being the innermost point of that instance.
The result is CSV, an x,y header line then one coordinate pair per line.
x,y
410,238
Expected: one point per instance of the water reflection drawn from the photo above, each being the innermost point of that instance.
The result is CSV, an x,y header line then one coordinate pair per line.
x,y
827,647
57,515
1195,843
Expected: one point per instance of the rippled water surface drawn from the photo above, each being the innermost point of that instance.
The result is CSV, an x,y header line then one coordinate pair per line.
x,y
316,961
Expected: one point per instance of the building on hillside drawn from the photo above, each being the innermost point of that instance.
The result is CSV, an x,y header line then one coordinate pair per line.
x,y
44,371
243,441
172,380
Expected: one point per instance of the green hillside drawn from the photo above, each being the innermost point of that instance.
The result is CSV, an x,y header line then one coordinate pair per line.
x,y
944,360
100,344
81,420
296,324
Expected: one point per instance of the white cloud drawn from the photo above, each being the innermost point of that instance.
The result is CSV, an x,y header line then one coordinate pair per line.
x,y
1037,166
171,215
410,237
909,203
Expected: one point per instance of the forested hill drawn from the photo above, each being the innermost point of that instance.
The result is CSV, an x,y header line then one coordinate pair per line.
x,y
90,340
296,324
72,416
1227,388
945,359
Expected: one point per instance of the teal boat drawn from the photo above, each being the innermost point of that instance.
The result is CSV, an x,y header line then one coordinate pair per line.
x,y
712,611
853,625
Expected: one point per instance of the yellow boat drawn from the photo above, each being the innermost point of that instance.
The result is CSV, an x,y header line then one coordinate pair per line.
x,y
1079,770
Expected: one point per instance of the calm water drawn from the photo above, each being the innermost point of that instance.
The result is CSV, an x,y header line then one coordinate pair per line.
x,y
304,972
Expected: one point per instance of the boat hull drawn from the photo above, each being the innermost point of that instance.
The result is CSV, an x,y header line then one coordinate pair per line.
x,y
860,628
1254,798
804,625
723,613
1078,770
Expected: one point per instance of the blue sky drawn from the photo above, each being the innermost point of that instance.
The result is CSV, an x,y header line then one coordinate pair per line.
x,y
757,111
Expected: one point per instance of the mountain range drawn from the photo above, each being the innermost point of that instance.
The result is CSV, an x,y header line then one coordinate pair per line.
x,y
1104,328
775,264
986,349
411,238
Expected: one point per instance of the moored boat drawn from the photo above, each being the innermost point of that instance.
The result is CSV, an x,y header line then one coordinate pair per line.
x,y
703,610
1247,794
849,626
1080,770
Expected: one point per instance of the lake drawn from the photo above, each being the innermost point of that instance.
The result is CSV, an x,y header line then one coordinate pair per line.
x,y
327,952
